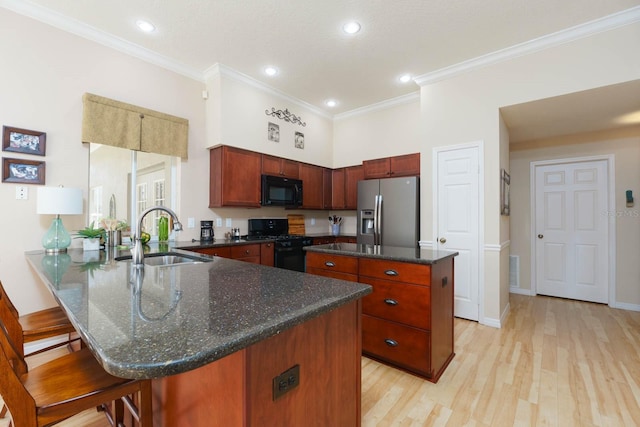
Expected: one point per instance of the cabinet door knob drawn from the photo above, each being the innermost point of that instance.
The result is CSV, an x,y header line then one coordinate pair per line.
x,y
391,343
390,301
391,273
329,264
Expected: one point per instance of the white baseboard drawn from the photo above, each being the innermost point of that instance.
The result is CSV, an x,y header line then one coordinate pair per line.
x,y
626,306
520,291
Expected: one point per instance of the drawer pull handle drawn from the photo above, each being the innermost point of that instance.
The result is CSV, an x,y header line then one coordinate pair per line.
x,y
391,343
390,301
391,273
246,251
329,264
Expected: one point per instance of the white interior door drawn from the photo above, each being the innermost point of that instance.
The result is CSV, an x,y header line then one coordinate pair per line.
x,y
571,230
457,216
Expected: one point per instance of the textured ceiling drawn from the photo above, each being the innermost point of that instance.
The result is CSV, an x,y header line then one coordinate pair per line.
x,y
303,38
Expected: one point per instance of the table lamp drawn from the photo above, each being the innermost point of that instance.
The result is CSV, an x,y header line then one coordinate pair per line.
x,y
58,201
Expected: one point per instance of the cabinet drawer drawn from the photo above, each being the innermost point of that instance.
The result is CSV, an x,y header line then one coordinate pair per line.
x,y
343,264
333,274
222,251
401,345
419,274
400,302
245,251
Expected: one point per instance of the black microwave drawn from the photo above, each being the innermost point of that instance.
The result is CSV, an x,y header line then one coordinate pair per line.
x,y
279,191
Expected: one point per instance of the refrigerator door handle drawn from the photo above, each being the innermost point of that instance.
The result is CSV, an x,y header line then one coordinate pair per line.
x,y
379,207
375,220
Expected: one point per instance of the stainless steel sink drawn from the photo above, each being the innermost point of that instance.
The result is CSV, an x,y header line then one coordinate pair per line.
x,y
168,259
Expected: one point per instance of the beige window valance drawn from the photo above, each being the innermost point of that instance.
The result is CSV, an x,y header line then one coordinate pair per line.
x,y
109,122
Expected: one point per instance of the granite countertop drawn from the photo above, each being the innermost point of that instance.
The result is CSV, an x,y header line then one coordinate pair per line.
x,y
389,253
174,319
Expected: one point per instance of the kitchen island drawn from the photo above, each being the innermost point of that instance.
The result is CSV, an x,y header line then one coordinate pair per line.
x,y
217,336
407,321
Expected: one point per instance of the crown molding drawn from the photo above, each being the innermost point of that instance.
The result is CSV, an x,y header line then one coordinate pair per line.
x,y
88,32
606,23
388,103
223,70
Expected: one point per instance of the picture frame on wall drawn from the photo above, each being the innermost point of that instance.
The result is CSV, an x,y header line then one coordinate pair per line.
x,y
299,140
23,171
24,141
505,197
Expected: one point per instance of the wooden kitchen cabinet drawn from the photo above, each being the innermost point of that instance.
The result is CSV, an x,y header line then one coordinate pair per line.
x,y
312,180
279,166
247,253
352,175
221,251
338,200
407,321
267,254
234,177
324,240
327,188
390,167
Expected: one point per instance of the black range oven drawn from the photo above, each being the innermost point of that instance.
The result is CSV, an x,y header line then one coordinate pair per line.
x,y
288,252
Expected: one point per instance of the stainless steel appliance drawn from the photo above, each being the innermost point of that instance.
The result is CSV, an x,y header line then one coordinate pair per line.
x,y
389,211
206,231
279,191
288,252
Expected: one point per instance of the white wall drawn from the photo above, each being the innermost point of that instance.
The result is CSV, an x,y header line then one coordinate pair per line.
x,y
44,75
624,145
465,108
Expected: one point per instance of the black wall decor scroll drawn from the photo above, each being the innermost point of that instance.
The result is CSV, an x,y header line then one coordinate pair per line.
x,y
285,115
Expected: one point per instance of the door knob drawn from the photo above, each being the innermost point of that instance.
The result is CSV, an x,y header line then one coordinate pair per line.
x,y
443,240
540,236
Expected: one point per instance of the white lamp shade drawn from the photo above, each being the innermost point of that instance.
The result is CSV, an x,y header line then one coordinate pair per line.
x,y
59,201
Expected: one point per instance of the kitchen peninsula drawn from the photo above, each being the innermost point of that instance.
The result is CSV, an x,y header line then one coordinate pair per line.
x,y
407,321
225,342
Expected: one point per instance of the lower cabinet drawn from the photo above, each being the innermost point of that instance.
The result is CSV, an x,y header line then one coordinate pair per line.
x,y
407,321
257,253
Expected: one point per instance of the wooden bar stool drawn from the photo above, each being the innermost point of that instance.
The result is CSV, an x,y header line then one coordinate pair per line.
x,y
65,386
48,323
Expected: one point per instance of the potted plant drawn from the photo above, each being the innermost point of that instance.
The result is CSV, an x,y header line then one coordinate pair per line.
x,y
91,237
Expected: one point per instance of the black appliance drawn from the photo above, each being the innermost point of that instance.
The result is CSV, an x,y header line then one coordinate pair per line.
x,y
288,252
279,191
206,231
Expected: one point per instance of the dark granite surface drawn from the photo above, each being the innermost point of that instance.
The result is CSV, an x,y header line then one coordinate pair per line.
x,y
389,253
174,319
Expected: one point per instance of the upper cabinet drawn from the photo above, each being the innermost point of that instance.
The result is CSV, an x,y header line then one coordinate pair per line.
x,y
312,186
352,175
390,167
337,189
278,166
234,177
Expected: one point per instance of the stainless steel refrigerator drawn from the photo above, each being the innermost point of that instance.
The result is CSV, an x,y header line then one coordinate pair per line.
x,y
389,211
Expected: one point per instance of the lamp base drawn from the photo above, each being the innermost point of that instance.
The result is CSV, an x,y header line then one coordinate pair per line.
x,y
57,239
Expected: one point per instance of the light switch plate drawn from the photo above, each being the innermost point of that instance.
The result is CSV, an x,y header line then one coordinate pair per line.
x,y
191,222
218,222
228,222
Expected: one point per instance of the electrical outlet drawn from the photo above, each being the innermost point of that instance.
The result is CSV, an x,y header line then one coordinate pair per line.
x,y
22,193
286,381
228,222
313,221
218,222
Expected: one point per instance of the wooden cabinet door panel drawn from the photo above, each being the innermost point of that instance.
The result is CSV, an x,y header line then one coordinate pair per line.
x,y
290,168
234,177
338,188
419,274
377,168
399,302
245,251
312,193
352,175
267,254
277,166
407,165
332,274
327,188
402,345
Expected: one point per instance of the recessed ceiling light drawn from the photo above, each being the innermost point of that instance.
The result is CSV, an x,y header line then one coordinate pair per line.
x,y
405,78
270,71
331,103
145,26
351,27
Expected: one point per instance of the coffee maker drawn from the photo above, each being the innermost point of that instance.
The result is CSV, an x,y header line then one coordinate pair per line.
x,y
206,231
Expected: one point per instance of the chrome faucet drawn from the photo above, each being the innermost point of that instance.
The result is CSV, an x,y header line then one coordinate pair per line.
x,y
137,253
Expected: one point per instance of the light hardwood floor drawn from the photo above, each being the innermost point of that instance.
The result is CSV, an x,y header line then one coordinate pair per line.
x,y
554,363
